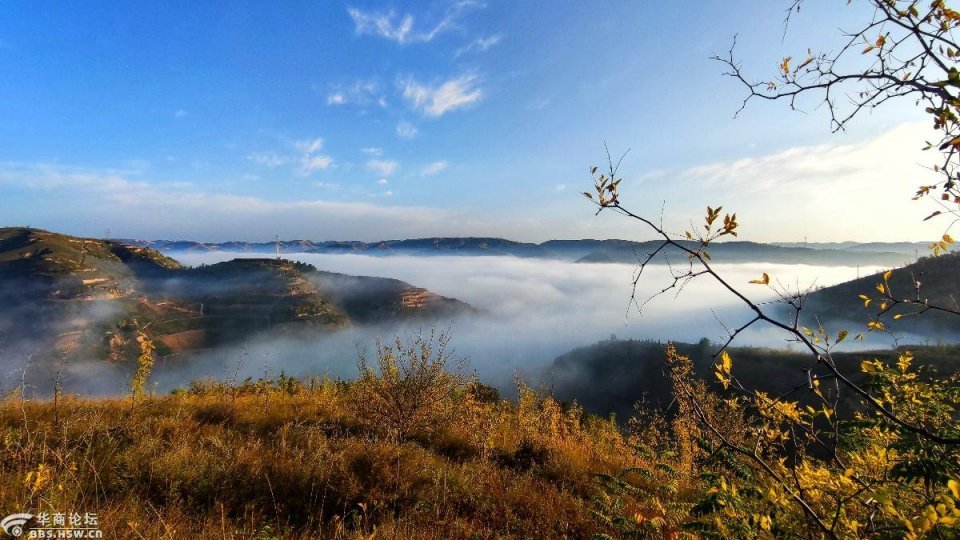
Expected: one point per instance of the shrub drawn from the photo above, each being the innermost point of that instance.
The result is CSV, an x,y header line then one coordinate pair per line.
x,y
411,388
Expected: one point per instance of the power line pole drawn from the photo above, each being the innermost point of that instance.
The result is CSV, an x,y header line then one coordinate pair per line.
x,y
277,238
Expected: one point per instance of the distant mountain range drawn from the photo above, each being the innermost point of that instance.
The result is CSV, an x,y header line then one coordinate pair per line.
x,y
587,251
80,296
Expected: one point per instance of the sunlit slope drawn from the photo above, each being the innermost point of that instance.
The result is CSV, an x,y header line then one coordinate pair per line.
x,y
76,267
89,297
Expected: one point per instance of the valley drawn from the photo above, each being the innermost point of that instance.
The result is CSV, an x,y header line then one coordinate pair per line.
x,y
76,306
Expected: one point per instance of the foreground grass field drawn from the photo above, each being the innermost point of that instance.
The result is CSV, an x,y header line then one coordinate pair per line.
x,y
412,449
291,459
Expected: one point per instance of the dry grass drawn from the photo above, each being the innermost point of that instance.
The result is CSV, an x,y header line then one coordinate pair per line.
x,y
286,459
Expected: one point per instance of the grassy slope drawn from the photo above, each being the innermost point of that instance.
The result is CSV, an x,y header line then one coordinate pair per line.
x,y
291,461
39,252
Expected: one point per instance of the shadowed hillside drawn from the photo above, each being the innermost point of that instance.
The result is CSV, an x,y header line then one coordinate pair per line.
x,y
610,376
931,280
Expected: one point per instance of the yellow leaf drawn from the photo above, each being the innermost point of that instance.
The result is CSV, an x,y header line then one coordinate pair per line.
x,y
875,325
726,362
765,280
841,336
947,238
785,65
954,486
887,274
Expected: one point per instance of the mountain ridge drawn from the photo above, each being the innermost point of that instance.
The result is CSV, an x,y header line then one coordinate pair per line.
x,y
581,250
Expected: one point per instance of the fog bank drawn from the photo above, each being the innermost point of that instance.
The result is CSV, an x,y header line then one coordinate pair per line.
x,y
532,311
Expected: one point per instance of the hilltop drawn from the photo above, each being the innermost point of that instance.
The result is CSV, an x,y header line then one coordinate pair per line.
x,y
75,266
88,297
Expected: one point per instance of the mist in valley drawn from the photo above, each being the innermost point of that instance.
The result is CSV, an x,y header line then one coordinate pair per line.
x,y
528,312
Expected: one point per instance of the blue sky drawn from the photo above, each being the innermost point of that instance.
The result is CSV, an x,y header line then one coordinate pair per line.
x,y
374,120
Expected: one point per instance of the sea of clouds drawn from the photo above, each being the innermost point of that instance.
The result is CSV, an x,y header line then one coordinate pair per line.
x,y
531,311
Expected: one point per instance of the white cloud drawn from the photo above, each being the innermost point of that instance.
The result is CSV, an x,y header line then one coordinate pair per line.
x,y
388,194
436,100
560,188
382,182
479,45
84,201
310,160
269,159
180,113
406,130
855,191
384,167
311,164
372,151
309,146
360,92
434,168
401,28
384,25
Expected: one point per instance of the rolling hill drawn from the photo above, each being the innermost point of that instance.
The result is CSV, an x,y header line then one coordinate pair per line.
x,y
932,280
61,295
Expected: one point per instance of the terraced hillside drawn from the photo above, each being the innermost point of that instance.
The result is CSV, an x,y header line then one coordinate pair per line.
x,y
67,296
